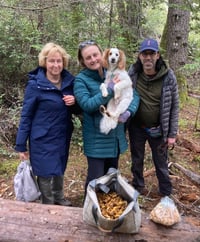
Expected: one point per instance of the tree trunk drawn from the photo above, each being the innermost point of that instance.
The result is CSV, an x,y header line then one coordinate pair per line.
x,y
129,12
177,34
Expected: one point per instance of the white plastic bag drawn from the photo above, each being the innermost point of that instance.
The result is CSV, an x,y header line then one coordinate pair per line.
x,y
25,185
165,212
129,221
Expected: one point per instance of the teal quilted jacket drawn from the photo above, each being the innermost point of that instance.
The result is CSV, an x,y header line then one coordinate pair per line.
x,y
88,95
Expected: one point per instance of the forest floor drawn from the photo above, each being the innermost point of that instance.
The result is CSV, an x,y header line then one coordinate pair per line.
x,y
186,192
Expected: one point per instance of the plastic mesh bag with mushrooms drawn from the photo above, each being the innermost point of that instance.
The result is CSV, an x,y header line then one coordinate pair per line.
x,y
165,212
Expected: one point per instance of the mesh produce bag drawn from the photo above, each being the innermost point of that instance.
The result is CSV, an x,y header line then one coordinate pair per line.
x,y
165,212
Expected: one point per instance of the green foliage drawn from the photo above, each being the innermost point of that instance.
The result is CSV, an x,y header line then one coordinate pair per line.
x,y
16,38
194,38
191,72
8,167
77,133
8,161
189,68
197,159
193,104
182,123
155,19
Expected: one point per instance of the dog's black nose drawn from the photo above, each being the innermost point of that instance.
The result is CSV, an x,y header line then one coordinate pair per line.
x,y
113,60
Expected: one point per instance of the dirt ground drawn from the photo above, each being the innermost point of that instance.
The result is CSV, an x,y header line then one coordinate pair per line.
x,y
186,193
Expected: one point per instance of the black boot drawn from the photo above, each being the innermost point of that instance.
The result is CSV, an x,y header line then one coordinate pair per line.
x,y
45,186
57,188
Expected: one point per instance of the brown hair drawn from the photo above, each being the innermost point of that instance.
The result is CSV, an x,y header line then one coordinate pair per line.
x,y
80,48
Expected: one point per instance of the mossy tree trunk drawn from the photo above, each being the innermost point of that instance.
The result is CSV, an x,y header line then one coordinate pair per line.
x,y
177,33
177,40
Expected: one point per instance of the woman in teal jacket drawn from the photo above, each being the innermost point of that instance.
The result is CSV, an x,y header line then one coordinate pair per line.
x,y
102,150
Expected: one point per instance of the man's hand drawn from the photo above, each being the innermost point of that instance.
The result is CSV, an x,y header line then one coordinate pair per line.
x,y
171,143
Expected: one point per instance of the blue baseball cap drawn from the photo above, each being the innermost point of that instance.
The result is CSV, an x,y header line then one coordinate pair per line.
x,y
149,44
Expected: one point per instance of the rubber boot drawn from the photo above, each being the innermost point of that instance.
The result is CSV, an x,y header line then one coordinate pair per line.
x,y
57,188
45,186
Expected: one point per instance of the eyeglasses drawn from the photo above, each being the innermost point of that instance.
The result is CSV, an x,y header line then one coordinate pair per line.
x,y
85,43
146,53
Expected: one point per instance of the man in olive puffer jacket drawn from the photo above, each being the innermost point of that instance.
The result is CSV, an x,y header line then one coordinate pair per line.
x,y
156,119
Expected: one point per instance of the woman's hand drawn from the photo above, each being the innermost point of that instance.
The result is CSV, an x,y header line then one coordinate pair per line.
x,y
24,155
69,100
116,78
112,83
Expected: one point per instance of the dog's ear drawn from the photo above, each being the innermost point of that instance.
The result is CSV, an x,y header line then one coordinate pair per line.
x,y
105,58
122,60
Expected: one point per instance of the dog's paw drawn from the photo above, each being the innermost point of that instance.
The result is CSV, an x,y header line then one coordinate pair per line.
x,y
105,94
104,90
117,92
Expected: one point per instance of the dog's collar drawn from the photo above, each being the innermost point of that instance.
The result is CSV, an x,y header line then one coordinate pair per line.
x,y
112,74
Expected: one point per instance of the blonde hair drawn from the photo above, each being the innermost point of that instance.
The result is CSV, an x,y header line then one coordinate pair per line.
x,y
51,48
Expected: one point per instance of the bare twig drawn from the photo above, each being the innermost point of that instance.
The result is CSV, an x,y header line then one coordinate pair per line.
x,y
30,9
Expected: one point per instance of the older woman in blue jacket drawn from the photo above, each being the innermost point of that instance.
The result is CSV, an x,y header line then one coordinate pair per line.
x,y
102,150
46,122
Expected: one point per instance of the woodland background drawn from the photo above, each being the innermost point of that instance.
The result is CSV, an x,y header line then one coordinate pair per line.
x,y
25,26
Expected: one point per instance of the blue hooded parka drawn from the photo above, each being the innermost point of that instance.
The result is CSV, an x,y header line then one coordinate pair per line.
x,y
46,123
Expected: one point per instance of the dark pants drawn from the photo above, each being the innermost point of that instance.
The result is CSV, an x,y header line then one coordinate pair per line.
x,y
138,138
98,167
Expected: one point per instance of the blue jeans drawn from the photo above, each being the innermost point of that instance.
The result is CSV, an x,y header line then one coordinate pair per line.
x,y
138,137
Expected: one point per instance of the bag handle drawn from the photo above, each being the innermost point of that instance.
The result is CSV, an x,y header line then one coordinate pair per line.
x,y
135,197
94,213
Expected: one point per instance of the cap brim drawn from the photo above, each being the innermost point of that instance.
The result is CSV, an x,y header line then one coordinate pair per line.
x,y
148,48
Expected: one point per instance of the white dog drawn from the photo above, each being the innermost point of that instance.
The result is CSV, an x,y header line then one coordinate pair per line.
x,y
115,61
